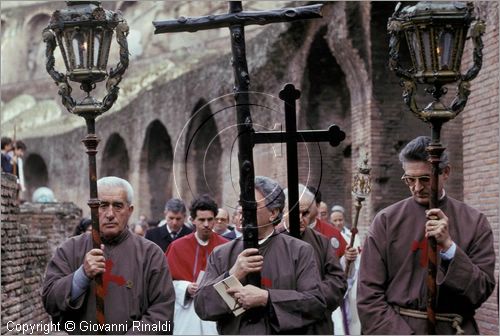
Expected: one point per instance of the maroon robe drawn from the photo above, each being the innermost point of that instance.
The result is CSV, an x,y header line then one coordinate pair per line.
x,y
290,275
393,269
140,286
333,283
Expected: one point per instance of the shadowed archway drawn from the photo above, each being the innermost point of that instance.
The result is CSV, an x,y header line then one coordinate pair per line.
x,y
203,154
35,173
326,101
156,170
115,158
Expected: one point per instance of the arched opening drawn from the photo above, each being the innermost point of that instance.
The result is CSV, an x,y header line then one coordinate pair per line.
x,y
203,154
326,101
156,170
35,174
115,158
35,61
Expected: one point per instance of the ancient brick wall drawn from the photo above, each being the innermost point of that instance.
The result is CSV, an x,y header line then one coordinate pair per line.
x,y
55,221
481,148
30,234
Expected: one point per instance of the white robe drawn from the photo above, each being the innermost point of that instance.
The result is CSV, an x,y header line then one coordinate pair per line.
x,y
349,299
186,321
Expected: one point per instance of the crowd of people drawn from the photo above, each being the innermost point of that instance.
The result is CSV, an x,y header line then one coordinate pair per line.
x,y
317,284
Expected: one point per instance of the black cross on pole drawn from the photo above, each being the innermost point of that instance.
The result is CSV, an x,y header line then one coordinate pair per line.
x,y
291,137
236,20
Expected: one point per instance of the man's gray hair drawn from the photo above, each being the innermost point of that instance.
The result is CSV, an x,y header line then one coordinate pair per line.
x,y
274,198
338,208
305,195
175,205
272,192
116,182
415,151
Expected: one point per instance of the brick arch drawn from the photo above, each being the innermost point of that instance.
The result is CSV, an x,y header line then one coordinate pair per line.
x,y
35,173
350,50
35,54
202,155
115,158
326,100
155,170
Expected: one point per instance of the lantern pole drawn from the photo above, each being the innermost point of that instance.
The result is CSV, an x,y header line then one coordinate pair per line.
x,y
435,33
87,25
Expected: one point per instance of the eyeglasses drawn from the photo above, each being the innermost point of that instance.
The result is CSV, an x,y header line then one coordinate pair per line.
x,y
412,180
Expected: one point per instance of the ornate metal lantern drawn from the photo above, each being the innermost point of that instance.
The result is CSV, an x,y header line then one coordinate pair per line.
x,y
435,33
84,33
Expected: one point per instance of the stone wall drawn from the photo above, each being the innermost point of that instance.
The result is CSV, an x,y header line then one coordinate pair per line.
x,y
30,234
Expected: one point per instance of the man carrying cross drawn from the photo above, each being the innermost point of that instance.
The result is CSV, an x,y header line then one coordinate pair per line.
x,y
137,286
290,300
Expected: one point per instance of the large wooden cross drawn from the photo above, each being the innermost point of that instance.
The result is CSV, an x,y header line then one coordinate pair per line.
x,y
236,20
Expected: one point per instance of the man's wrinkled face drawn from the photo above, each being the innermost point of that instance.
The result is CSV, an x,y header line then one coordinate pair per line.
x,y
417,177
175,220
263,213
238,218
204,223
114,211
305,215
221,221
323,211
337,219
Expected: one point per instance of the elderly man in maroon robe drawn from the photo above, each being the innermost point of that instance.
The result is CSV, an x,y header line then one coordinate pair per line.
x,y
333,282
290,300
392,276
138,292
187,257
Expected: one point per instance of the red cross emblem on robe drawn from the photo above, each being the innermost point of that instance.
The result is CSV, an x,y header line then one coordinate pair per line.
x,y
421,245
108,277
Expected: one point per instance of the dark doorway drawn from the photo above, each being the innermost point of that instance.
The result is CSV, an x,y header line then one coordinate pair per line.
x,y
115,158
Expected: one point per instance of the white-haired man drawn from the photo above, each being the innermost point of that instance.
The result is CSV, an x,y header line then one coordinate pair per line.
x,y
136,279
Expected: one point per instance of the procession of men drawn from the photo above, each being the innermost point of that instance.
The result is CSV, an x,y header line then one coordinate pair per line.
x,y
302,279
279,259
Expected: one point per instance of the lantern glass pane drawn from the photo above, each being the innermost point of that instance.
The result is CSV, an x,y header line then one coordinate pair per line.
x,y
445,49
426,39
107,36
415,50
96,47
79,47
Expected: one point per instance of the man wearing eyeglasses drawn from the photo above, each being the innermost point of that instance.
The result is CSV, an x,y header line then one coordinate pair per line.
x,y
392,278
